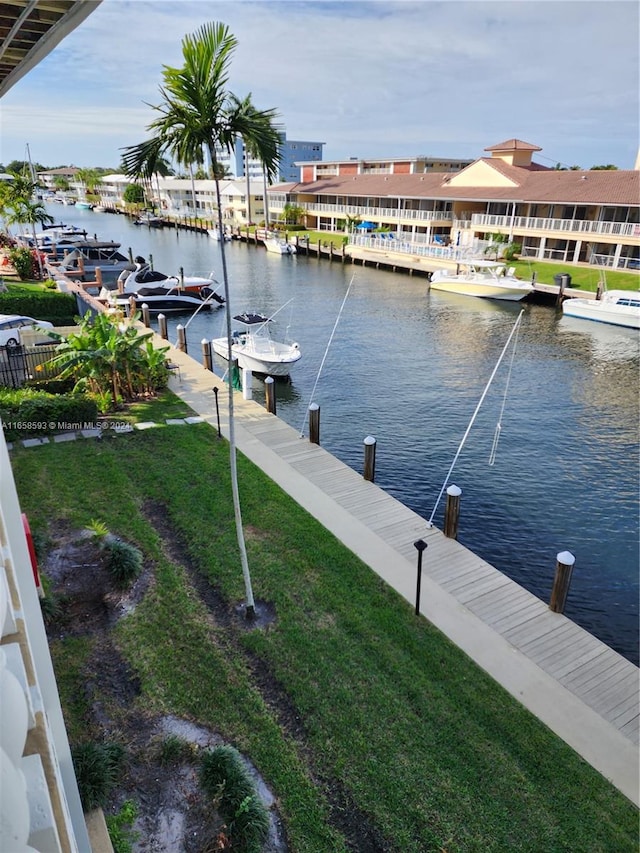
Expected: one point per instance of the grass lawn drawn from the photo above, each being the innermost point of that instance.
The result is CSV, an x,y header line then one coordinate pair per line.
x,y
391,719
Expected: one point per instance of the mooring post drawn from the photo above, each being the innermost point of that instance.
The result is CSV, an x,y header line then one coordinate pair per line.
x,y
182,338
270,394
162,327
206,354
452,512
98,275
247,384
564,281
146,317
421,547
314,423
561,582
132,307
369,458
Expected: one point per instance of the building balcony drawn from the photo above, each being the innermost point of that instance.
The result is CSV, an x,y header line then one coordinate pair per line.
x,y
576,229
383,215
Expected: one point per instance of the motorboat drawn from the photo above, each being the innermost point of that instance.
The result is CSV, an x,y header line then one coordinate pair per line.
x,y
150,220
141,275
488,279
84,205
255,349
278,245
161,292
81,259
616,307
215,234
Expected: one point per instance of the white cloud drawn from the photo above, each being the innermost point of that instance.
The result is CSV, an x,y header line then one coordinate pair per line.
x,y
369,79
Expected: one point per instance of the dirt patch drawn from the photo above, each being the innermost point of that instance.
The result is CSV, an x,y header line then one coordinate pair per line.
x,y
173,815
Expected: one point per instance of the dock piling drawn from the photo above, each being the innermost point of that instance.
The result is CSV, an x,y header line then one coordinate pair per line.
x,y
206,354
162,327
452,512
270,394
562,581
182,338
314,423
369,458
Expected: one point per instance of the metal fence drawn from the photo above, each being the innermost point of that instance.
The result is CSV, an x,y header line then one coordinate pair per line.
x,y
21,363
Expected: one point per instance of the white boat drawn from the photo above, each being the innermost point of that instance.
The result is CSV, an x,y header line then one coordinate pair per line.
x,y
255,349
150,220
278,245
161,292
616,307
82,257
488,279
84,205
214,233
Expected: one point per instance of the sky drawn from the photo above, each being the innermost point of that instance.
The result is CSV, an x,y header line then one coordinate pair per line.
x,y
368,79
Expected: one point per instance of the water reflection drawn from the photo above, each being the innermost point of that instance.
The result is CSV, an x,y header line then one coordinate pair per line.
x,y
408,366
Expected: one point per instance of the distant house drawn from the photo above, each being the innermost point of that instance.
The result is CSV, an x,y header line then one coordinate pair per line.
x,y
48,178
571,216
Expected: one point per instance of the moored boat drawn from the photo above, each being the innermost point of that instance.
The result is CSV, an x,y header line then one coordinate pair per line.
x,y
487,279
161,292
278,245
255,349
615,307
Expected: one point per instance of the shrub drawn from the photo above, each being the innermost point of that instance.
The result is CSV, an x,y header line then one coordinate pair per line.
x,y
174,749
39,413
24,262
123,561
58,308
225,778
97,767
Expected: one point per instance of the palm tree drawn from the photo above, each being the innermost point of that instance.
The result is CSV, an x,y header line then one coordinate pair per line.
x,y
250,150
199,114
18,208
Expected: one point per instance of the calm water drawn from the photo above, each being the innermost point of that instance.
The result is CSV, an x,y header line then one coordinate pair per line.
x,y
409,368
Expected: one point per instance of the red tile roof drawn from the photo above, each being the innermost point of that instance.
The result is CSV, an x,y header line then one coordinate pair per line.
x,y
530,185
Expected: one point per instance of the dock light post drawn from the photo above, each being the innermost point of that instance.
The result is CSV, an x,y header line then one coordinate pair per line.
x,y
215,391
421,547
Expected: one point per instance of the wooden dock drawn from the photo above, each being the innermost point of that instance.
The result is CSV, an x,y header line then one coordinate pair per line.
x,y
583,690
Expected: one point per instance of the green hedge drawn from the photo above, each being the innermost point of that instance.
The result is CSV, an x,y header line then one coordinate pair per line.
x,y
26,413
58,308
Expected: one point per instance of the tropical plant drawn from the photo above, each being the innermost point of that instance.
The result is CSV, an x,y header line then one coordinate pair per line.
x,y
199,115
105,357
133,194
89,178
61,183
292,213
18,208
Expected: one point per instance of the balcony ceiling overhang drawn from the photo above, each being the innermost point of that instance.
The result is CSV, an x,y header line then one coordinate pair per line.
x,y
30,29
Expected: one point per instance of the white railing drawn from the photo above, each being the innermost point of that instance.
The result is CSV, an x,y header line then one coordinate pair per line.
x,y
30,704
390,243
387,214
564,226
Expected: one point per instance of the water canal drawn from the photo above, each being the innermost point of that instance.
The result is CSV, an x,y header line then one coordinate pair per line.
x,y
409,367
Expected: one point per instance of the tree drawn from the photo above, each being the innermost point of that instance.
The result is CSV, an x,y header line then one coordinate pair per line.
x,y
89,178
133,194
608,168
198,114
292,213
153,163
18,208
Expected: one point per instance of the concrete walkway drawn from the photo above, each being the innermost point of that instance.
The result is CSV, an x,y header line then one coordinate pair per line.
x,y
580,688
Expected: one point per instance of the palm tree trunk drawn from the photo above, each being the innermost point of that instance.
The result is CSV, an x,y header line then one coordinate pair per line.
x,y
250,604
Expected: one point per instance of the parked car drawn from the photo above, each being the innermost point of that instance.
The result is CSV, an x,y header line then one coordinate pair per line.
x,y
12,324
